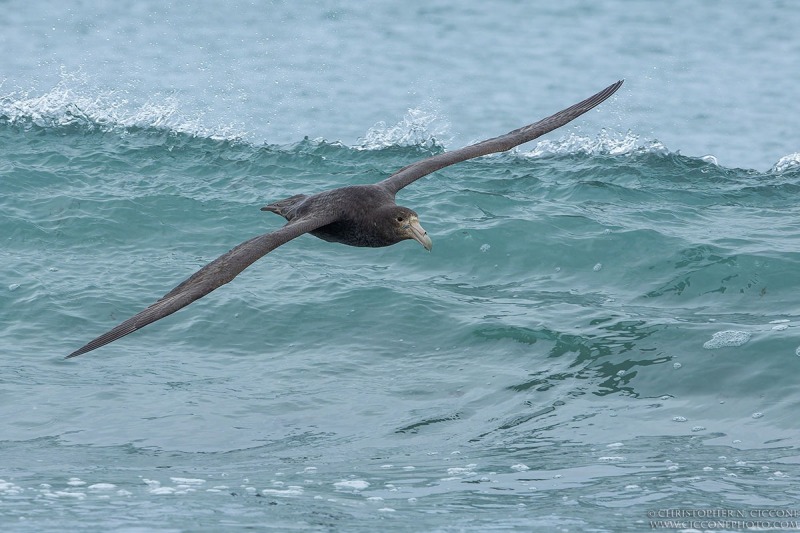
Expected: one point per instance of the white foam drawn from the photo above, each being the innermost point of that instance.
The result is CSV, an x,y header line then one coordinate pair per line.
x,y
102,486
66,494
460,471
419,127
187,481
351,484
8,488
787,162
163,490
604,143
520,467
73,101
289,491
727,338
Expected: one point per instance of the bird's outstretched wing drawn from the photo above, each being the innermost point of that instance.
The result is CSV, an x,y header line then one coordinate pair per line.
x,y
215,274
407,175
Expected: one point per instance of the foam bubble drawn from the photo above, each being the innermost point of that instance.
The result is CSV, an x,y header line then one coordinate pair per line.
x,y
8,488
727,338
187,481
352,484
102,486
292,490
460,471
162,490
66,494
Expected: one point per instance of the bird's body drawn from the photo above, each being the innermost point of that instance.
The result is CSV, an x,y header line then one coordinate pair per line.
x,y
355,215
357,209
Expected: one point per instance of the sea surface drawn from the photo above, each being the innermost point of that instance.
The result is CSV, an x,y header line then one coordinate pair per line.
x,y
605,334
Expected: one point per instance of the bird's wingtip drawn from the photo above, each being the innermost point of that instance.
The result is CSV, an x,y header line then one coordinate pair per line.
x,y
76,353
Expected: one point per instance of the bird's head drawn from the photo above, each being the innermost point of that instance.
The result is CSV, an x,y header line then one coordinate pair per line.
x,y
405,225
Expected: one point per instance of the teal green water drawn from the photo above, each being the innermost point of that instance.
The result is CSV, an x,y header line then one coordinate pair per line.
x,y
553,358
605,330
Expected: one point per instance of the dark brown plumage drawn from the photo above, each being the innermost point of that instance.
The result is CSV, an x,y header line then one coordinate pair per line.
x,y
357,215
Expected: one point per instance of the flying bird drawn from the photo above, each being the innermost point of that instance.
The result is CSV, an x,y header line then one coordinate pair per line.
x,y
356,215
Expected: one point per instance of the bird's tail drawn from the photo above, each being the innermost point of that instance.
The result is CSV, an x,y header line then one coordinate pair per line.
x,y
285,207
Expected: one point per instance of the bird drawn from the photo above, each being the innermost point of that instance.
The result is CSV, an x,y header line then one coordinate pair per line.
x,y
355,215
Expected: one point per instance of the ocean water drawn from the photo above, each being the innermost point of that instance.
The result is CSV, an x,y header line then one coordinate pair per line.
x,y
605,332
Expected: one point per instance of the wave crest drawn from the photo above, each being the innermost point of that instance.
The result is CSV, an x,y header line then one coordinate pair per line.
x,y
73,103
417,128
604,143
787,163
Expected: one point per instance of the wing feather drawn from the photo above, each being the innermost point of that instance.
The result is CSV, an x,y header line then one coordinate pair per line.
x,y
409,174
212,276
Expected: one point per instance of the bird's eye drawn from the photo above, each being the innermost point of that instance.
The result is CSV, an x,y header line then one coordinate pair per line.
x,y
399,219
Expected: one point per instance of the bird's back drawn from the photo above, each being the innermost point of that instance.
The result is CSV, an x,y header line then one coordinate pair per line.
x,y
356,208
